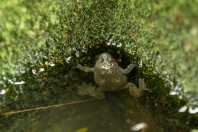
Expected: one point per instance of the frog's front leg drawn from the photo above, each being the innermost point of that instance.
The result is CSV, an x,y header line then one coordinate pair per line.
x,y
85,69
134,91
128,69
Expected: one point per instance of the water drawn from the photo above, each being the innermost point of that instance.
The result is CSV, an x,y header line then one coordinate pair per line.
x,y
118,112
114,114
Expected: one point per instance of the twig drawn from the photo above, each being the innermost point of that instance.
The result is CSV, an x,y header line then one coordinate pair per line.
x,y
46,107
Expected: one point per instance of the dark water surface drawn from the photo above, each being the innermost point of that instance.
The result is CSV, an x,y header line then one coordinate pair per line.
x,y
114,114
118,112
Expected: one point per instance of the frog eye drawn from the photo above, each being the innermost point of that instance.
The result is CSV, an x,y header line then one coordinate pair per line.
x,y
110,60
101,60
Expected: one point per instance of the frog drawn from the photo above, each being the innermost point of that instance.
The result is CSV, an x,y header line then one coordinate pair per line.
x,y
109,76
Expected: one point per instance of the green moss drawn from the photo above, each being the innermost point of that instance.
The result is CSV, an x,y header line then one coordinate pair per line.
x,y
158,36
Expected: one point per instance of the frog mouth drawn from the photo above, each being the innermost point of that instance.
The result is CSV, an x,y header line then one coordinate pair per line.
x,y
106,65
106,72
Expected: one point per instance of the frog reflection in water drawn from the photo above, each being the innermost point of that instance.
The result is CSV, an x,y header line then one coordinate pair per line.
x,y
109,77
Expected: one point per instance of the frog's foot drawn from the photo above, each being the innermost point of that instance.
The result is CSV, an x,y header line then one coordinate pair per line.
x,y
137,92
87,89
142,85
133,90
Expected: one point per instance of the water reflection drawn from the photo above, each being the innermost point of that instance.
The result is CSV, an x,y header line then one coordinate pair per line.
x,y
139,126
118,112
114,114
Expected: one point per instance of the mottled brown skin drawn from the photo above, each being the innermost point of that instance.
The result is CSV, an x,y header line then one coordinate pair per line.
x,y
109,77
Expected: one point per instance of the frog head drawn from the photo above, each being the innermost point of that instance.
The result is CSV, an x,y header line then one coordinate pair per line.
x,y
105,61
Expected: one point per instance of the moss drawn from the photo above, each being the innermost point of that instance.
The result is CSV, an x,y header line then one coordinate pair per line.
x,y
158,36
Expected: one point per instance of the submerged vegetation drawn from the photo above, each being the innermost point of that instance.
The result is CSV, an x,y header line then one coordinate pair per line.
x,y
41,42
